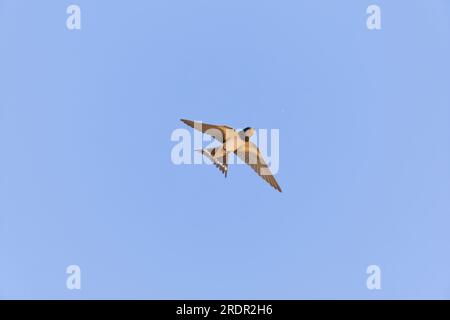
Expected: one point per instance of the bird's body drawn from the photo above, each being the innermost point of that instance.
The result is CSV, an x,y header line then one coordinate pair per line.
x,y
236,142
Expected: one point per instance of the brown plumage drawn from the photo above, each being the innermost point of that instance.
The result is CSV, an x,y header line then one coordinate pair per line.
x,y
246,151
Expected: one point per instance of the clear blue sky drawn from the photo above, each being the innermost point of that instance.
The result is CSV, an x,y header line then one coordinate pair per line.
x,y
85,170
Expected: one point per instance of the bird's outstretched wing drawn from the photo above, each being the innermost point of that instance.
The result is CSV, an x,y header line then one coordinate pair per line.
x,y
250,154
218,132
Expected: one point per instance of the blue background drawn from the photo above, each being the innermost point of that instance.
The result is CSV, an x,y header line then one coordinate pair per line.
x,y
86,175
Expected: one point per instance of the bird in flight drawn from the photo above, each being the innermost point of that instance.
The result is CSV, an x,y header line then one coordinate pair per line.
x,y
237,142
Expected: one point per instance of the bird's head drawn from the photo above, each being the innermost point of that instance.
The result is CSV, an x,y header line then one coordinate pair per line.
x,y
248,132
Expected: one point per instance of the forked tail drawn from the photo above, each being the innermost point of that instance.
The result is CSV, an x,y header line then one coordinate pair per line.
x,y
220,161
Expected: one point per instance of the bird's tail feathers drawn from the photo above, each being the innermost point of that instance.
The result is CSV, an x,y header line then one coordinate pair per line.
x,y
221,162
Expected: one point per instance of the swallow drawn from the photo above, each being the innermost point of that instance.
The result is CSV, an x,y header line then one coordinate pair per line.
x,y
237,142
